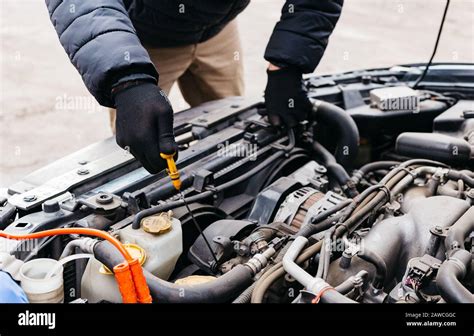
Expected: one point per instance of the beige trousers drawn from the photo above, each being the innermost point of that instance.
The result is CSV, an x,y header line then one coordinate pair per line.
x,y
205,71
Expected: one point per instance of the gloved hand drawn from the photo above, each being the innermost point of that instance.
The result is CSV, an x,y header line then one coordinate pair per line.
x,y
144,124
285,97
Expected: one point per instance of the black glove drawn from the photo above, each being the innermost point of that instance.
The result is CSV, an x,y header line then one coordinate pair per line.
x,y
145,124
285,97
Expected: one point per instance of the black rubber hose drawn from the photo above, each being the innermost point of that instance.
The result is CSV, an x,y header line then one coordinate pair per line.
x,y
331,164
449,277
378,165
310,229
107,254
335,169
370,167
342,123
380,266
459,231
323,220
222,289
168,206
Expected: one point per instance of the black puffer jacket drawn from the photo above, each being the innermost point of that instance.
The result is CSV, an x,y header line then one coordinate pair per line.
x,y
103,38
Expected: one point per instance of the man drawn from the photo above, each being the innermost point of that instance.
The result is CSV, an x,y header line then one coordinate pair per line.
x,y
194,42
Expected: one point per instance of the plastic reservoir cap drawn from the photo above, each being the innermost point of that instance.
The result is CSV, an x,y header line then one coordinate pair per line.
x,y
158,224
135,251
33,273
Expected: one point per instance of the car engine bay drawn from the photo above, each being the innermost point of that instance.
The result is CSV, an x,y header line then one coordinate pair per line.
x,y
369,201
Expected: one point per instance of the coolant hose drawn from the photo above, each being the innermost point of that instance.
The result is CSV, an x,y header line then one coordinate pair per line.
x,y
449,277
222,289
323,291
371,167
335,169
342,123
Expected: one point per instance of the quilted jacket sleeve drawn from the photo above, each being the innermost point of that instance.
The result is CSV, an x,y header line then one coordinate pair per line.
x,y
100,40
301,36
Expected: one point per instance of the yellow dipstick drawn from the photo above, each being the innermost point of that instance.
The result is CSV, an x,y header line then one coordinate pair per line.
x,y
174,175
172,170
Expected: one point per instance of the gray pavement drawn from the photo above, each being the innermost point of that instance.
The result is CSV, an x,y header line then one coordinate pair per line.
x,y
46,112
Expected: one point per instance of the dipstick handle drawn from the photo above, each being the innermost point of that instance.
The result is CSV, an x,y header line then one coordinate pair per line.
x,y
172,170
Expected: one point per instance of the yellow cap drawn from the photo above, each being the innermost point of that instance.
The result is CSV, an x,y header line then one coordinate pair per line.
x,y
135,251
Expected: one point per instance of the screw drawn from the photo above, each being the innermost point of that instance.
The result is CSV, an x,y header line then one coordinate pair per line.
x,y
29,198
203,120
366,80
83,171
104,199
320,169
83,162
234,106
438,229
51,206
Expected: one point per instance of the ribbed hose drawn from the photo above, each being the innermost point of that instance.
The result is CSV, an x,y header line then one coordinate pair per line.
x,y
246,295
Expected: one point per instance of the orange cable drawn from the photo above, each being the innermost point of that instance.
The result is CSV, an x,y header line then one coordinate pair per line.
x,y
65,231
129,275
321,293
126,286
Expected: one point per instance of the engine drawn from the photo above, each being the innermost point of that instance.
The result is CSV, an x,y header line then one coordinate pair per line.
x,y
369,201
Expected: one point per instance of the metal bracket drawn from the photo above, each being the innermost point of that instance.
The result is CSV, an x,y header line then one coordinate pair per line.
x,y
102,203
65,182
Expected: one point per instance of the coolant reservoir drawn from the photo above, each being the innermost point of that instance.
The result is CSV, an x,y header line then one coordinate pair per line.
x,y
162,250
39,284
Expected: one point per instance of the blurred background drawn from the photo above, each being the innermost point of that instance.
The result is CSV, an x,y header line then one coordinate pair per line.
x,y
46,112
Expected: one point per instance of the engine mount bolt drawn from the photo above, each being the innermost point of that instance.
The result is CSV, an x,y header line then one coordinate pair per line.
x,y
29,198
83,171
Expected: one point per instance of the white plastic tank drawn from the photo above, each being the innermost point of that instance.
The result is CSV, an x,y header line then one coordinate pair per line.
x,y
39,285
162,253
